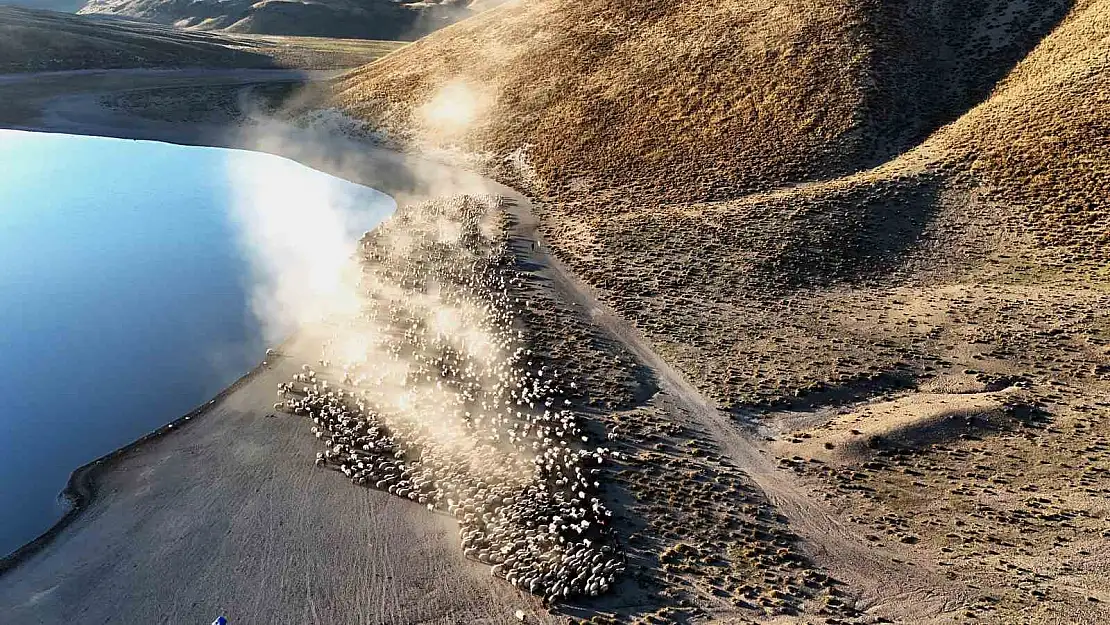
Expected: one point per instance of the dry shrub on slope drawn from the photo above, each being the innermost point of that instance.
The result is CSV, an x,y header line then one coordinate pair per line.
x,y
684,101
659,97
952,224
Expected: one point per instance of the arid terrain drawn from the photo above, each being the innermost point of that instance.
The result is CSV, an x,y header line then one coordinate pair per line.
x,y
39,41
872,237
825,283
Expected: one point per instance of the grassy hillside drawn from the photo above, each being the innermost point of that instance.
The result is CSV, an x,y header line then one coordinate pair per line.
x,y
810,205
734,152
710,100
33,40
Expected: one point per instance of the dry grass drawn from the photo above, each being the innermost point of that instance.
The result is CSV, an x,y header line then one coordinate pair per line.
x,y
810,206
702,165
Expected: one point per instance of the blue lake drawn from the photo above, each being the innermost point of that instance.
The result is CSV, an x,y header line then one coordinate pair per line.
x,y
129,288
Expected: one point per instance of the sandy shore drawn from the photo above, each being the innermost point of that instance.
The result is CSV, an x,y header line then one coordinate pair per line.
x,y
233,518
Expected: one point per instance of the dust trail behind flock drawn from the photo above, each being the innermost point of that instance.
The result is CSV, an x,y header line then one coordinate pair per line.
x,y
425,385
300,233
302,238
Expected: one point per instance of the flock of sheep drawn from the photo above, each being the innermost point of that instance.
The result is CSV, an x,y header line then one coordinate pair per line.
x,y
433,395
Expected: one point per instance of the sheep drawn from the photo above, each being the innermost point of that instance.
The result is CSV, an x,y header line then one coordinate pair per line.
x,y
534,518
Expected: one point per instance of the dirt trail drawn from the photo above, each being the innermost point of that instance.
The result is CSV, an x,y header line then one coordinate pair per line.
x,y
891,583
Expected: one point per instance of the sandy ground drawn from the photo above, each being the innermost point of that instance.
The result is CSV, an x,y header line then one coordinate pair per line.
x,y
233,518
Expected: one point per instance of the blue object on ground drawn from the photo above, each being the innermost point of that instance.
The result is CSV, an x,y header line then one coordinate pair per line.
x,y
220,621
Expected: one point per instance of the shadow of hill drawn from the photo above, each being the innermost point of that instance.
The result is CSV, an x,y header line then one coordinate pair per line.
x,y
848,235
932,62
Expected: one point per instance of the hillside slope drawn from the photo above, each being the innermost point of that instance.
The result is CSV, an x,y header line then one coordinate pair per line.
x,y
373,19
32,41
696,157
708,100
811,206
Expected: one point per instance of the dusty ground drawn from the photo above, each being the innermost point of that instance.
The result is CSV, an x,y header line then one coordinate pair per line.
x,y
315,52
874,234
284,541
757,564
229,516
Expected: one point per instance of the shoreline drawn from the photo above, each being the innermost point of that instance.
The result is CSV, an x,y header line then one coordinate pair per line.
x,y
110,508
80,488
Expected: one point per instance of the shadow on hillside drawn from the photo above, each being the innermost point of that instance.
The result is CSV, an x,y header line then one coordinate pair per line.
x,y
852,236
949,426
938,60
860,388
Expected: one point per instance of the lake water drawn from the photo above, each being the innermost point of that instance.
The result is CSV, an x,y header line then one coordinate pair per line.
x,y
128,292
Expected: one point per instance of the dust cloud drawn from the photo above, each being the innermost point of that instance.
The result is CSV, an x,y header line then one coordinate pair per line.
x,y
300,231
314,270
423,383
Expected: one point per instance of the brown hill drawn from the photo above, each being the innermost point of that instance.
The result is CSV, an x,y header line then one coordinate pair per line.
x,y
357,19
706,100
697,157
817,207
